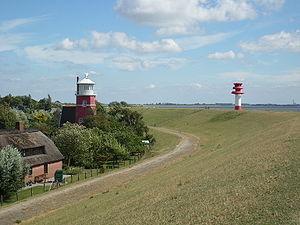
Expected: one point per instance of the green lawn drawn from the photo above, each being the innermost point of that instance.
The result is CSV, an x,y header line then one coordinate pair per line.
x,y
245,171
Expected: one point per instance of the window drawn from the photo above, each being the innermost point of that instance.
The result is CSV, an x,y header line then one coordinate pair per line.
x,y
30,171
45,168
33,151
80,120
84,102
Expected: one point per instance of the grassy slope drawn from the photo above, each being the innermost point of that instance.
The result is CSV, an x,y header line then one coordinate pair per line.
x,y
245,171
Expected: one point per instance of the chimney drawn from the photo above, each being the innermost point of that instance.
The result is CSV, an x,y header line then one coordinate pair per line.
x,y
77,91
20,126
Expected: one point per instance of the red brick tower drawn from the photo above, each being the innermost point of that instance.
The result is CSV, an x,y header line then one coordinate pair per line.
x,y
85,99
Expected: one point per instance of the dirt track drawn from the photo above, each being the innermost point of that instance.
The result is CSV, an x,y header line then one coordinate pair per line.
x,y
71,194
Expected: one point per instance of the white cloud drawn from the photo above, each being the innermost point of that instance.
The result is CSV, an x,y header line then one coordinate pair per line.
x,y
194,42
171,63
197,85
285,78
292,77
11,24
93,72
14,79
126,63
242,76
134,63
151,86
49,54
67,44
184,12
178,17
10,42
281,41
178,30
271,4
120,39
225,55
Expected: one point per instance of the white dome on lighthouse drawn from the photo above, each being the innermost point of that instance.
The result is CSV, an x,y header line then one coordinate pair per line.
x,y
86,80
85,87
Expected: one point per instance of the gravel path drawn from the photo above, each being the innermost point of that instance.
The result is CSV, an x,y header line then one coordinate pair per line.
x,y
74,193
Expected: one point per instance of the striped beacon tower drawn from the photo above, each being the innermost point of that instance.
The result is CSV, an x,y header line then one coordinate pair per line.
x,y
238,95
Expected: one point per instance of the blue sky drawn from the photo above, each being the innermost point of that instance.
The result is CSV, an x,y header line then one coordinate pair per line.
x,y
148,51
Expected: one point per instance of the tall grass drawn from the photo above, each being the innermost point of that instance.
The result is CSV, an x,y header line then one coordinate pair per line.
x,y
245,171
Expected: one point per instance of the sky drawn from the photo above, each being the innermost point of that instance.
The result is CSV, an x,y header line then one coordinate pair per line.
x,y
150,51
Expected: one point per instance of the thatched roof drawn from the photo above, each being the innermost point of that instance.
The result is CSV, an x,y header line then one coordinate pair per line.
x,y
31,139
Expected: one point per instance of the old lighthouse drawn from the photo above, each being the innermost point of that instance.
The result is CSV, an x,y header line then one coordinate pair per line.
x,y
85,99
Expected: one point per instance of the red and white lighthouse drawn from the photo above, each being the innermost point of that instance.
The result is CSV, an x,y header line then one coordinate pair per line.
x,y
238,95
85,99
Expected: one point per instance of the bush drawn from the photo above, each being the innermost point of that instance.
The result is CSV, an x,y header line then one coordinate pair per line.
x,y
12,170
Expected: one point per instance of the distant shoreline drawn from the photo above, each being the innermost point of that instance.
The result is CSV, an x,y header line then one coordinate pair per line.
x,y
258,107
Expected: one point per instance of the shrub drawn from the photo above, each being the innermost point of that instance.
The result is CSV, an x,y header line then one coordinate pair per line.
x,y
12,170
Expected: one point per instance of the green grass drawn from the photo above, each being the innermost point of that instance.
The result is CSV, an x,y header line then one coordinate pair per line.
x,y
245,171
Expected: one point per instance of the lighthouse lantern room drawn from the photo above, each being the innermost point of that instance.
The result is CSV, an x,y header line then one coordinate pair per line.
x,y
85,99
238,95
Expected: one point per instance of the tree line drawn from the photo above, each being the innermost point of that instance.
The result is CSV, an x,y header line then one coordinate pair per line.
x,y
114,133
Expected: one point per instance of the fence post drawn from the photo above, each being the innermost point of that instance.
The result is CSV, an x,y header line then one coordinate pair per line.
x,y
31,191
1,199
71,178
44,186
91,172
84,174
78,177
17,196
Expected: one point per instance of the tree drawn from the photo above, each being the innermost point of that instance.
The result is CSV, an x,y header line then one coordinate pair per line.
x,y
12,170
45,103
129,139
21,116
8,118
102,121
130,118
100,108
73,141
124,104
104,146
114,104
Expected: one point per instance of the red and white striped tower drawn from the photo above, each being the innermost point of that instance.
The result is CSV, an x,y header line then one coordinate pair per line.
x,y
238,95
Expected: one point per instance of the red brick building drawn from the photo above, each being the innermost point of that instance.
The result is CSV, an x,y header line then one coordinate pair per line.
x,y
37,150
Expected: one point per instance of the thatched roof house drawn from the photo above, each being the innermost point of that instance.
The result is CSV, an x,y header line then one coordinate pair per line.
x,y
38,151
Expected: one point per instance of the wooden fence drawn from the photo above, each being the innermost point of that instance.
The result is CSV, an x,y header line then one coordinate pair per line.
x,y
83,174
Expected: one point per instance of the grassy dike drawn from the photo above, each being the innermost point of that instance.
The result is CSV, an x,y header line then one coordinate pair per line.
x,y
245,171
